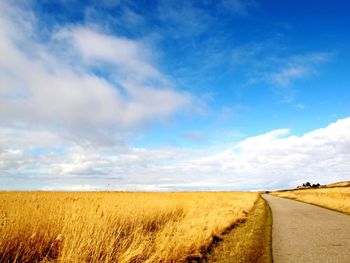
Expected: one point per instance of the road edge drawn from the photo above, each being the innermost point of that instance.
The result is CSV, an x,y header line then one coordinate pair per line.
x,y
249,241
268,232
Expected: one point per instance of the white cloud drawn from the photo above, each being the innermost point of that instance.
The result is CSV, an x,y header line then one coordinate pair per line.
x,y
41,86
130,57
275,159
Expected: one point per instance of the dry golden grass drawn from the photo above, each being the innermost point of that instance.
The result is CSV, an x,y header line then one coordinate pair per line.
x,y
114,227
339,184
333,198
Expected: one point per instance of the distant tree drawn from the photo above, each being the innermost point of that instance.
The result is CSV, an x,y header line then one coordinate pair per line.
x,y
307,184
316,185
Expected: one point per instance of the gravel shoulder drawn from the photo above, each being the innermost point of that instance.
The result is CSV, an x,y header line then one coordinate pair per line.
x,y
307,233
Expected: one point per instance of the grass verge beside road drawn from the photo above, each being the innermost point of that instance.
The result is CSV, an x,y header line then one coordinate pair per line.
x,y
249,241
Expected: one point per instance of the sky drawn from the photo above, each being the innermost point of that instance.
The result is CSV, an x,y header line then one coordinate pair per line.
x,y
167,95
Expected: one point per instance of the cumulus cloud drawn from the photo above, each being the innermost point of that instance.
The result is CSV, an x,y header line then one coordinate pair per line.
x,y
130,57
60,83
272,160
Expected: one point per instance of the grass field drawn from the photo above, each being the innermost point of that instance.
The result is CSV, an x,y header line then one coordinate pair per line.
x,y
114,227
337,198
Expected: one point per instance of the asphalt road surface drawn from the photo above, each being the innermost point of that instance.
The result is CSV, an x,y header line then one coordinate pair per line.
x,y
303,233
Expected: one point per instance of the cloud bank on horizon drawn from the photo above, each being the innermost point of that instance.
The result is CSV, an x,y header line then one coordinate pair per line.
x,y
120,96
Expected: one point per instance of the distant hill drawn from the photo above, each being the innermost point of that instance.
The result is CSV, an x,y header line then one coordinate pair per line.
x,y
308,185
339,184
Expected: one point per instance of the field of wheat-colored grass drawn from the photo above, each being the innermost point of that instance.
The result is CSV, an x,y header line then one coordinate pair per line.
x,y
337,198
340,184
114,227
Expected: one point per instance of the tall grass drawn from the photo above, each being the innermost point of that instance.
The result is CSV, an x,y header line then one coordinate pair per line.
x,y
114,227
337,198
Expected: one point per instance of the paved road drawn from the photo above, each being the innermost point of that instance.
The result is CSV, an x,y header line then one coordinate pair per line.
x,y
303,233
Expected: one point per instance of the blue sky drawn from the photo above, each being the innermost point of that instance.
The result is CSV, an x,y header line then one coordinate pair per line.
x,y
173,95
